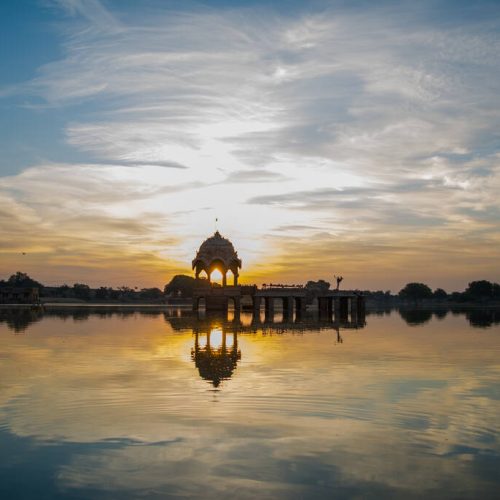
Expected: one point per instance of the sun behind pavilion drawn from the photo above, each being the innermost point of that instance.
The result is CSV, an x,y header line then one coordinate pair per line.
x,y
217,254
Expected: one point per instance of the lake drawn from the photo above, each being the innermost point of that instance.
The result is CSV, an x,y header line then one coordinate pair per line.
x,y
121,403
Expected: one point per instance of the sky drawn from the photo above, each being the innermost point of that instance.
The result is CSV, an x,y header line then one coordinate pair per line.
x,y
327,137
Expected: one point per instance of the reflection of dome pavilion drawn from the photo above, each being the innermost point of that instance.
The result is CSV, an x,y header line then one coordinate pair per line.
x,y
218,253
216,363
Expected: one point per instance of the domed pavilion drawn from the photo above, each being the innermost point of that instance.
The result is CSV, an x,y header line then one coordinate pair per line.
x,y
217,253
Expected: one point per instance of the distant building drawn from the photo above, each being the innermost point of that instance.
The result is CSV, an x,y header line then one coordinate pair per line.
x,y
19,295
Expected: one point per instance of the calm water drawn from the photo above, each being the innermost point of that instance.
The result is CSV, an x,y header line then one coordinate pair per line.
x,y
130,404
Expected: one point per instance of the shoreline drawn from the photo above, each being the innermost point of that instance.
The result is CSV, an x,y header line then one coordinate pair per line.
x,y
370,306
109,304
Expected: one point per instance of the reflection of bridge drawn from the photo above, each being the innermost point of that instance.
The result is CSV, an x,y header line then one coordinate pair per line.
x,y
203,323
215,351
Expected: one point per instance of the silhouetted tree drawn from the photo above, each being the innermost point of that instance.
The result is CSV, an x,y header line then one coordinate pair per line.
x,y
440,294
63,291
415,291
126,293
102,293
81,291
314,288
458,297
151,294
320,286
182,284
378,295
22,280
480,290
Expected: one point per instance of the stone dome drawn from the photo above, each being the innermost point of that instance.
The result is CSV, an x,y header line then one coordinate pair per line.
x,y
216,252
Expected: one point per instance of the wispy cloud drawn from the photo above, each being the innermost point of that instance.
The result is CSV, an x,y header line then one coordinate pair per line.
x,y
377,125
96,15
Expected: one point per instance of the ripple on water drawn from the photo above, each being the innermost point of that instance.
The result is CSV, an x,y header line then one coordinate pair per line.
x,y
426,401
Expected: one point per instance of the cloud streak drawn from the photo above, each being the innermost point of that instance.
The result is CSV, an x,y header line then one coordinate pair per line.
x,y
375,125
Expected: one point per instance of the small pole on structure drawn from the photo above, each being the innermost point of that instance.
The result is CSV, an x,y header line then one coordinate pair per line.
x,y
339,279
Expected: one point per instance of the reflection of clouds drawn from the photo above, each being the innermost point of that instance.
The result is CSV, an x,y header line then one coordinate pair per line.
x,y
338,453
387,408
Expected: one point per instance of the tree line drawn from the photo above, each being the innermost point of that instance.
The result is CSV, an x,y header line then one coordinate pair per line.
x,y
476,291
181,287
82,291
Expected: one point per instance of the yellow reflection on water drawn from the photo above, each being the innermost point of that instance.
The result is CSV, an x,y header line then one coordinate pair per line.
x,y
229,340
216,338
202,341
294,390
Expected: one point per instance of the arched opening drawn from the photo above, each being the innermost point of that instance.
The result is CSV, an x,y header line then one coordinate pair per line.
x,y
230,277
216,277
203,275
247,318
299,307
279,308
217,272
202,304
247,302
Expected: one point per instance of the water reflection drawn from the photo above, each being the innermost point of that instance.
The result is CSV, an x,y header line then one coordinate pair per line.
x,y
480,318
21,318
121,403
215,354
477,317
415,317
248,323
441,313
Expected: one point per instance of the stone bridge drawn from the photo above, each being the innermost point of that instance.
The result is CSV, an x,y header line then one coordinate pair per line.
x,y
339,304
218,254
